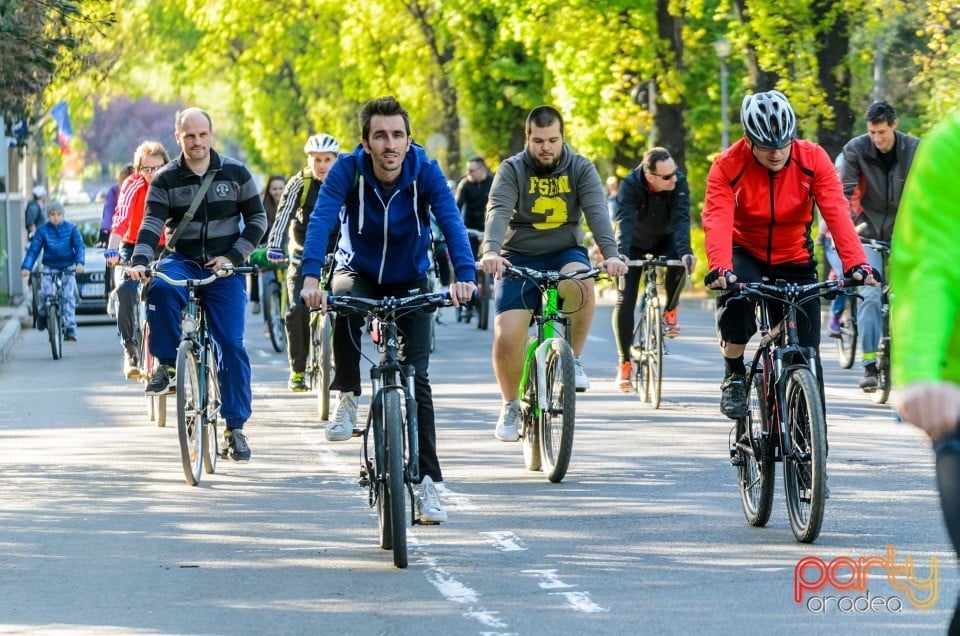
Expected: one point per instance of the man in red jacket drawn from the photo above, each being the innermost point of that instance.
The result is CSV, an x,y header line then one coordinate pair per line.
x,y
756,218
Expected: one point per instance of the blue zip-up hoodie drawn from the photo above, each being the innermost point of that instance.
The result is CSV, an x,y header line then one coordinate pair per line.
x,y
62,246
386,239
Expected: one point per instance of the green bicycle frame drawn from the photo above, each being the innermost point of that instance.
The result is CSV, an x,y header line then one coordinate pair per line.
x,y
546,329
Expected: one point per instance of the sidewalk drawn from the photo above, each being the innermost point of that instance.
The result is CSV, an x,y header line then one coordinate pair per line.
x,y
12,319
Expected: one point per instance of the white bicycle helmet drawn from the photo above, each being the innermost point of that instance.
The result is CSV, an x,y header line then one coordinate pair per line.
x,y
321,143
39,191
768,120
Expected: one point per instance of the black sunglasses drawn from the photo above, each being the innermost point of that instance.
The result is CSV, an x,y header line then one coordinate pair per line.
x,y
666,177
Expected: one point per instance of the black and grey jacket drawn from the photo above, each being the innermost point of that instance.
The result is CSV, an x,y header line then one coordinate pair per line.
x,y
645,219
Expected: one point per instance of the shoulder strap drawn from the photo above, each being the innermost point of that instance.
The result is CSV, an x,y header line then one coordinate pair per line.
x,y
191,211
307,180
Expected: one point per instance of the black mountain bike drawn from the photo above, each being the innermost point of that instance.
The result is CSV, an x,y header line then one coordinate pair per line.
x,y
786,421
53,305
320,363
391,427
882,392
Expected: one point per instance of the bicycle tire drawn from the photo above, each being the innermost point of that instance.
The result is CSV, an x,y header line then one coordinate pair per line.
x,y
638,353
273,314
755,472
530,431
883,374
189,425
55,331
393,425
210,443
326,367
804,463
557,421
483,301
849,334
312,368
384,519
654,353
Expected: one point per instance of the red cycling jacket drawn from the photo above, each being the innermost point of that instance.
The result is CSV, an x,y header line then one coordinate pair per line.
x,y
770,214
131,204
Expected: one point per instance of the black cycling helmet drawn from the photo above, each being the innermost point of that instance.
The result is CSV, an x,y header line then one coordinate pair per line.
x,y
768,120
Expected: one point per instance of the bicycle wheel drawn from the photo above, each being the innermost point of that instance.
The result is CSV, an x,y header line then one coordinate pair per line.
x,y
211,415
638,353
273,314
804,463
883,372
755,471
847,342
55,330
557,421
189,424
312,368
483,301
530,425
393,425
325,371
156,404
654,352
384,518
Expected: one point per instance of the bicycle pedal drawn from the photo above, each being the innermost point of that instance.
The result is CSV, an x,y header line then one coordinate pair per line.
x,y
357,432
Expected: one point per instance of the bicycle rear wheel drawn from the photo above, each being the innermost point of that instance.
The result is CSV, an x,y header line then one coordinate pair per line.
x,y
395,487
211,415
530,433
273,314
557,421
55,330
189,425
847,342
755,470
654,351
804,461
325,371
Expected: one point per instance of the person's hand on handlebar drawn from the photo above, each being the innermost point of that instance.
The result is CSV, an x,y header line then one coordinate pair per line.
x,y
613,266
865,273
220,265
275,255
461,292
312,295
492,263
136,272
689,262
718,278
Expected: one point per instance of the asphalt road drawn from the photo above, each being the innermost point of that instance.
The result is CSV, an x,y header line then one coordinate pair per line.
x,y
100,534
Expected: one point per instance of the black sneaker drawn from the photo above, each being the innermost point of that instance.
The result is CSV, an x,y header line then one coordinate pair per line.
x,y
237,445
733,399
42,322
162,382
870,380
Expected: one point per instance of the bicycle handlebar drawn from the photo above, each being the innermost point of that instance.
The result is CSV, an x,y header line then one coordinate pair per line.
x,y
183,282
655,262
57,270
794,291
880,246
548,278
382,308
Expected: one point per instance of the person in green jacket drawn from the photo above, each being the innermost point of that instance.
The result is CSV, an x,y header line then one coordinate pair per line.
x,y
925,310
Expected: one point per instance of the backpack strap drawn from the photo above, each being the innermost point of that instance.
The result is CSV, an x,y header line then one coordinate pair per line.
x,y
307,174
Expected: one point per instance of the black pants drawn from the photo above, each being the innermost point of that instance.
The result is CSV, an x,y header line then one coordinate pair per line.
x,y
948,482
297,321
413,331
627,296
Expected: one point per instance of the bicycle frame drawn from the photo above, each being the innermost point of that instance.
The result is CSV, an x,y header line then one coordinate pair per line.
x,y
551,325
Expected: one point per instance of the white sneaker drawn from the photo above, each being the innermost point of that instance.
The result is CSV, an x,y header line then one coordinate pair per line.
x,y
508,426
344,420
580,379
428,503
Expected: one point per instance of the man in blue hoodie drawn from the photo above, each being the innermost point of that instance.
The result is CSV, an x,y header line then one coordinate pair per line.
x,y
382,194
62,247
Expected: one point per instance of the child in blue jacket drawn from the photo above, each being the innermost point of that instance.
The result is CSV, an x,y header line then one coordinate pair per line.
x,y
62,248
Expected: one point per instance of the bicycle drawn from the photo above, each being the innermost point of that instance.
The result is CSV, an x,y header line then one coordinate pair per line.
x,y
481,303
547,383
647,350
392,419
849,333
198,386
786,421
320,363
156,404
882,392
53,305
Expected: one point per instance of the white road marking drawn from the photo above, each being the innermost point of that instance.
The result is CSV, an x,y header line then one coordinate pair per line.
x,y
578,601
505,541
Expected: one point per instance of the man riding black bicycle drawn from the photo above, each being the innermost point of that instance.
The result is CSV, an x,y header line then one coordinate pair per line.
x,y
756,218
653,217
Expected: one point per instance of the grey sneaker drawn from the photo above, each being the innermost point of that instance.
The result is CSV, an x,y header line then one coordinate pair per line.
x,y
162,382
344,420
580,379
428,503
508,426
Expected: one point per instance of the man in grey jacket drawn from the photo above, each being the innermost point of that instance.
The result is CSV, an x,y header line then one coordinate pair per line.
x,y
533,220
874,170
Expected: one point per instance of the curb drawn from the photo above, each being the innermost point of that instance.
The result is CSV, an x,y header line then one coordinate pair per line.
x,y
10,332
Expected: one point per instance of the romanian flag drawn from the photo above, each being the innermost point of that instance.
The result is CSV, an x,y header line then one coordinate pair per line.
x,y
61,115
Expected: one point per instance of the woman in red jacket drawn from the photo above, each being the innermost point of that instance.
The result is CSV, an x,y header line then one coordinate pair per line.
x,y
757,218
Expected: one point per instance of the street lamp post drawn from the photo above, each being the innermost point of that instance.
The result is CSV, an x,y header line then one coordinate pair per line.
x,y
722,47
